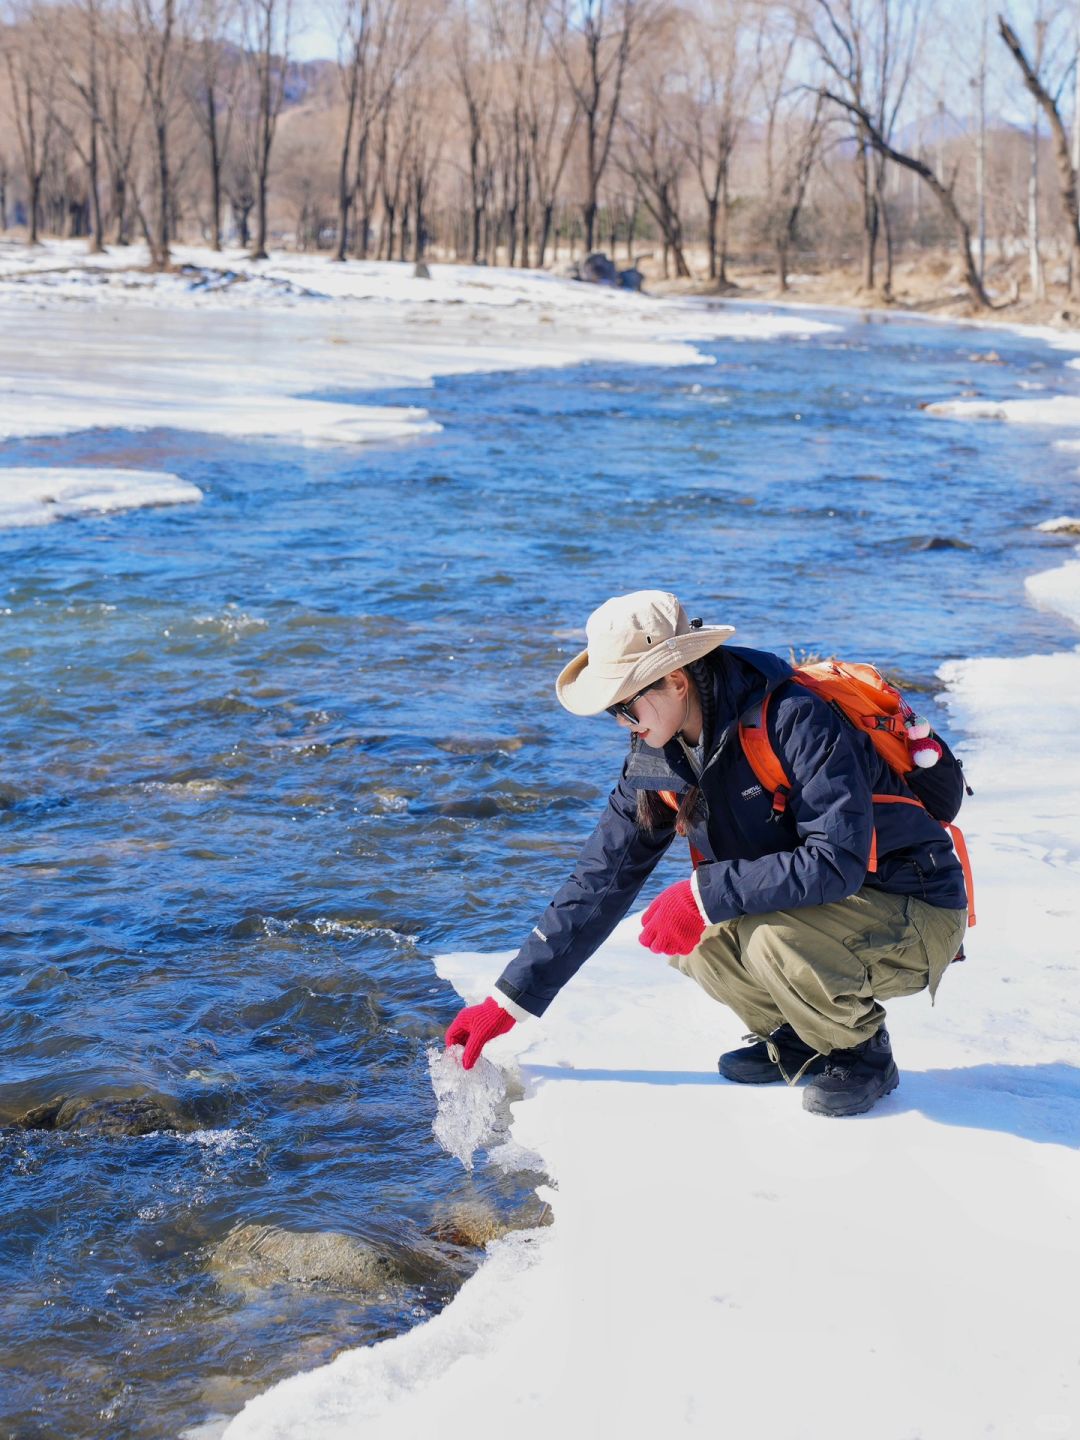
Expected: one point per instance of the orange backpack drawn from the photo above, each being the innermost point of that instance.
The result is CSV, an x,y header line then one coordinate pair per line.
x,y
867,701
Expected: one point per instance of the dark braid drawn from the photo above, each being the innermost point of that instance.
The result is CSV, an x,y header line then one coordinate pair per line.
x,y
652,812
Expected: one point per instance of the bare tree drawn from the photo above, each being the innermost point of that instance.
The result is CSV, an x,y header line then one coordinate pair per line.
x,y
1047,98
473,72
158,41
868,48
79,48
595,40
652,153
268,27
551,122
212,92
715,103
32,80
943,190
804,145
354,43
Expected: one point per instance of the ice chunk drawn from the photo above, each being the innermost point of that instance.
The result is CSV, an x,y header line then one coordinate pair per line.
x,y
473,1112
38,495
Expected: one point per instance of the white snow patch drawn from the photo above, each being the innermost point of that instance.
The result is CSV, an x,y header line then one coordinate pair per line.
x,y
279,349
36,496
1061,410
1058,590
721,1261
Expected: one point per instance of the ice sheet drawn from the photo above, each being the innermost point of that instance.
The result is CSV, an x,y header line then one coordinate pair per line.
x,y
232,347
38,496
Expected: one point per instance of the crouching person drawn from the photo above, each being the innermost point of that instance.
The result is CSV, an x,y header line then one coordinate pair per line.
x,y
807,906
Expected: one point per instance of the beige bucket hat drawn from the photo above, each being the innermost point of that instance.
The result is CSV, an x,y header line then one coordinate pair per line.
x,y
632,641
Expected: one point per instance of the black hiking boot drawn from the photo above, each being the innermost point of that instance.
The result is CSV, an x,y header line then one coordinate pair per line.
x,y
854,1080
752,1064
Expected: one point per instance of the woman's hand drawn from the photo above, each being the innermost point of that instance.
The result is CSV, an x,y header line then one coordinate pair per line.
x,y
475,1026
673,924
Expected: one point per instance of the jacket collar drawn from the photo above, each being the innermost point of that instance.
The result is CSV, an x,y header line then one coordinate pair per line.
x,y
740,678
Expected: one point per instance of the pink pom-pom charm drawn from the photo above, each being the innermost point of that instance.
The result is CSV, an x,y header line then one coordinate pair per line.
x,y
918,727
925,753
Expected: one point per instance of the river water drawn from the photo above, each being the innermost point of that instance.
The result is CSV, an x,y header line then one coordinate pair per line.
x,y
264,756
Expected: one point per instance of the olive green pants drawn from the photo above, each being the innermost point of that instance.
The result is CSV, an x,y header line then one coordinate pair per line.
x,y
824,968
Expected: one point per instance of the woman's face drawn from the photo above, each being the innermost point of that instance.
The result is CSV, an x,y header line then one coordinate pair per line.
x,y
660,712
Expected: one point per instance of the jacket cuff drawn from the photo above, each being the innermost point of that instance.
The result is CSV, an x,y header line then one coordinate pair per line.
x,y
695,890
511,1006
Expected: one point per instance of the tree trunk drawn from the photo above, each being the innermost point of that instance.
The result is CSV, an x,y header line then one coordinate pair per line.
x,y
710,234
725,217
215,175
97,239
545,233
870,218
34,187
1067,175
886,232
344,195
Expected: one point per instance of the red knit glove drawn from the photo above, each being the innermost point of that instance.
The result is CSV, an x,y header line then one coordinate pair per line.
x,y
475,1026
672,925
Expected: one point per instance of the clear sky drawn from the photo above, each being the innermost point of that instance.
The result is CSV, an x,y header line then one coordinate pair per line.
x,y
314,36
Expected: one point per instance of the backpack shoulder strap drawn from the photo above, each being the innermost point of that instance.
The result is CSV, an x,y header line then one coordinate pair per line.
x,y
762,758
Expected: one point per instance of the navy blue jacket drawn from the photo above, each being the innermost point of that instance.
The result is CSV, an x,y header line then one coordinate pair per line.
x,y
815,854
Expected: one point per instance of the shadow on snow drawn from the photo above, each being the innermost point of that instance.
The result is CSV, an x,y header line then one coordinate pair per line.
x,y
1034,1102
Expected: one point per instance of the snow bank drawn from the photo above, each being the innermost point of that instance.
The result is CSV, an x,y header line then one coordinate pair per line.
x,y
723,1262
232,347
32,496
1051,410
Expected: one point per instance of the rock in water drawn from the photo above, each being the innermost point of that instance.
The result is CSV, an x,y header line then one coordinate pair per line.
x,y
106,1116
266,1255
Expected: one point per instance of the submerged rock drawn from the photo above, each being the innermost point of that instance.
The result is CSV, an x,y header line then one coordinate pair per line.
x,y
108,1116
262,1255
934,542
472,1225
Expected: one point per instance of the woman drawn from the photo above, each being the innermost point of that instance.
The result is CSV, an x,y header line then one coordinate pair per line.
x,y
781,919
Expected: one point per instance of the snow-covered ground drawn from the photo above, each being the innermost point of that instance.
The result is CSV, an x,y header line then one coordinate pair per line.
x,y
279,349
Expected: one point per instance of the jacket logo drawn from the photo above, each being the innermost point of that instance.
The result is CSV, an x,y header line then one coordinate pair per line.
x,y
752,791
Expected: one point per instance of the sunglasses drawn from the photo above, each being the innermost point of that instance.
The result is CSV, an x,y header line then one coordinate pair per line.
x,y
624,711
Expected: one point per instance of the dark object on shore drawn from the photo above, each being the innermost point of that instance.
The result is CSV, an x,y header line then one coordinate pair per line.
x,y
421,271
597,269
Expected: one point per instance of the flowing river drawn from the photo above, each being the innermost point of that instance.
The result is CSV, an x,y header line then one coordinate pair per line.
x,y
265,755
